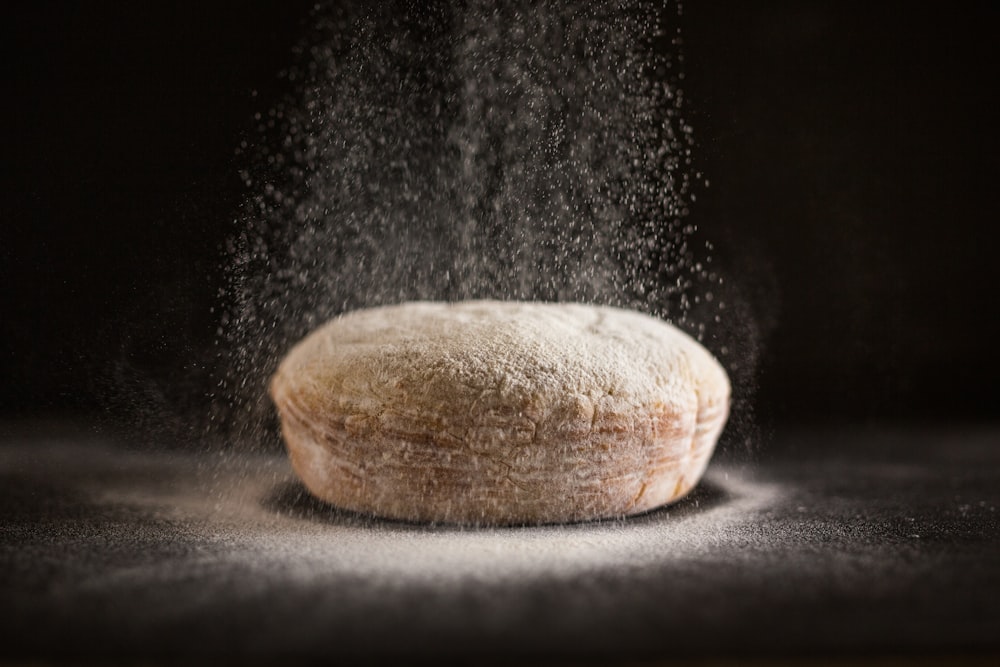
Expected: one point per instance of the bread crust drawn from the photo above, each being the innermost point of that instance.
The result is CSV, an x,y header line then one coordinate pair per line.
x,y
493,413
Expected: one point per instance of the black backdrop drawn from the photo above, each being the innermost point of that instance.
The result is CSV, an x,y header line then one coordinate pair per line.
x,y
851,148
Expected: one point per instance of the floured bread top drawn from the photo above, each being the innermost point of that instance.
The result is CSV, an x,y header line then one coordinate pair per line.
x,y
427,364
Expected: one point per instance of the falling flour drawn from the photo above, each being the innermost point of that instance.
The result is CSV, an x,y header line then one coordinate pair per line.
x,y
531,151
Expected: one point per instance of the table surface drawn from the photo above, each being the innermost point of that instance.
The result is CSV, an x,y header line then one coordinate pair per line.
x,y
831,543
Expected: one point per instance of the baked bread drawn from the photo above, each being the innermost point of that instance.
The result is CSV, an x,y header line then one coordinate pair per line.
x,y
492,412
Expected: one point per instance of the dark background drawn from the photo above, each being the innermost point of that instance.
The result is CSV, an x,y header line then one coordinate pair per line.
x,y
851,148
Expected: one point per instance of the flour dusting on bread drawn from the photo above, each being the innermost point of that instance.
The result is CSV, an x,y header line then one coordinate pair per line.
x,y
497,412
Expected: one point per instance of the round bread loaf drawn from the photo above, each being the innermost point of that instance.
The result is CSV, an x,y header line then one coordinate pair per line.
x,y
491,412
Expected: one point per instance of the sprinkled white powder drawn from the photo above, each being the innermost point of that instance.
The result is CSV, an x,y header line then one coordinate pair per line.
x,y
254,514
531,151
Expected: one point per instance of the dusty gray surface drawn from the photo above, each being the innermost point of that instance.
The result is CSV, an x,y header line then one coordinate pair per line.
x,y
832,544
